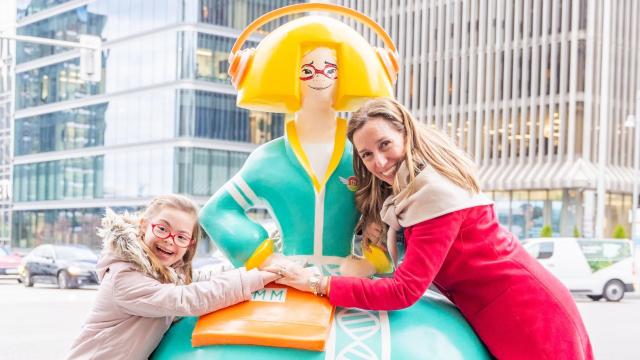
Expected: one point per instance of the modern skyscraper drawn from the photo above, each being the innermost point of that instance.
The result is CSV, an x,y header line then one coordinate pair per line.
x,y
527,87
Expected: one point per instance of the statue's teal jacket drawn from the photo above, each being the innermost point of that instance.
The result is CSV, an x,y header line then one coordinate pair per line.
x,y
315,216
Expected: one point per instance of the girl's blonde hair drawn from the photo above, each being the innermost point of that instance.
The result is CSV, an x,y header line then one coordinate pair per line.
x,y
181,203
424,146
272,82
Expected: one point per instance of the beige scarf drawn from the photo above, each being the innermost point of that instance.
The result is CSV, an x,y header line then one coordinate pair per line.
x,y
434,195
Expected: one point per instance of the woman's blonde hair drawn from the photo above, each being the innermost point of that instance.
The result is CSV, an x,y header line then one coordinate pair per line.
x,y
272,82
181,203
424,146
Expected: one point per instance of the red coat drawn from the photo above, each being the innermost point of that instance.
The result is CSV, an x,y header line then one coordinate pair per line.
x,y
517,308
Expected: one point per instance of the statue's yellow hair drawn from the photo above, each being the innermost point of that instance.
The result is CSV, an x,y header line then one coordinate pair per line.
x,y
272,81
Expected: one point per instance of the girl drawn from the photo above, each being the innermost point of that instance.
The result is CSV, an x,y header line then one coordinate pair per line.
x,y
411,176
146,281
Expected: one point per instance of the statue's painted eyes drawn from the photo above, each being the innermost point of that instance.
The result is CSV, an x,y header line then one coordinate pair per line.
x,y
308,71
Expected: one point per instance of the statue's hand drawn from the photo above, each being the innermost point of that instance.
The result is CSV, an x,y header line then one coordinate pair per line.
x,y
372,235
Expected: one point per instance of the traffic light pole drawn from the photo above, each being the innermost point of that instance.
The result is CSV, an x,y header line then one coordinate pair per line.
x,y
90,51
52,42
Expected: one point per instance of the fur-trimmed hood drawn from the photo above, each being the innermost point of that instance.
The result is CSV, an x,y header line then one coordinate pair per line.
x,y
121,243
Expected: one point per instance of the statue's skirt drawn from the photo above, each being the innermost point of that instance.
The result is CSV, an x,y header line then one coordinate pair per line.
x,y
430,329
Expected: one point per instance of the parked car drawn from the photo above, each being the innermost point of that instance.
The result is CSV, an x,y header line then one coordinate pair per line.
x,y
68,266
9,262
596,268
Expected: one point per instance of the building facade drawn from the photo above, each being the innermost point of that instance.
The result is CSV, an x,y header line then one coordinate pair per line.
x,y
162,119
536,91
524,86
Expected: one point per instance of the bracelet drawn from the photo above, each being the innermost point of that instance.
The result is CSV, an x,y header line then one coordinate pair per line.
x,y
315,282
327,285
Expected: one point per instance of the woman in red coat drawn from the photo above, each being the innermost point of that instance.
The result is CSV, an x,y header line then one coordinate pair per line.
x,y
412,177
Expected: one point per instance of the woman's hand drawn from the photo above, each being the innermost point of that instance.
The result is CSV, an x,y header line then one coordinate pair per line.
x,y
277,266
278,261
298,277
372,235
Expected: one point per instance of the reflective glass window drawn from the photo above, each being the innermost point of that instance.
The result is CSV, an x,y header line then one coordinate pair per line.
x,y
139,117
62,226
238,14
108,19
215,116
31,7
62,130
539,215
211,57
143,61
53,83
122,174
201,172
66,26
521,213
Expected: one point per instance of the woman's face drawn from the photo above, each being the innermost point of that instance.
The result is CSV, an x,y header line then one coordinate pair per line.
x,y
381,148
164,229
318,76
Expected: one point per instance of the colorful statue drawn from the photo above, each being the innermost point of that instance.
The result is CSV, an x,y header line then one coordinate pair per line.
x,y
311,68
300,69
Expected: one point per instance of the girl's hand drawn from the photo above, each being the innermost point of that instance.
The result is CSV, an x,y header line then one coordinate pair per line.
x,y
269,277
372,235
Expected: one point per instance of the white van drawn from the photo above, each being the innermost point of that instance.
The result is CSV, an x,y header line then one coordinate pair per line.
x,y
593,267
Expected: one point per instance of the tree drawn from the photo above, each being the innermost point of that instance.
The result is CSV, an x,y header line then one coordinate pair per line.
x,y
546,231
619,232
576,232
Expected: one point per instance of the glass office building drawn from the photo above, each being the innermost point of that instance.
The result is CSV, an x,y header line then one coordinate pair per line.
x,y
162,119
521,86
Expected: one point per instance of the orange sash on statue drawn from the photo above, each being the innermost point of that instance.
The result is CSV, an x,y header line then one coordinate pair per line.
x,y
277,316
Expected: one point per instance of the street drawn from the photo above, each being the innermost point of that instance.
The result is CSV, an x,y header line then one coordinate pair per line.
x,y
42,322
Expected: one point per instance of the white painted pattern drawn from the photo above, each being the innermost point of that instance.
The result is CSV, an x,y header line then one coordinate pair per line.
x,y
359,325
235,194
242,185
318,221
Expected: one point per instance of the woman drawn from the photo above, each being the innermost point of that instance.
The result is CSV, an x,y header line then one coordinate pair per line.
x,y
413,177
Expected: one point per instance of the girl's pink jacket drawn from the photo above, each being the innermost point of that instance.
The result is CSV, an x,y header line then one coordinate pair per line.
x,y
132,309
517,308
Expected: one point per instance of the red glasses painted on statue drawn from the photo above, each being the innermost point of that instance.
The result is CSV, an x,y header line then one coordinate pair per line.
x,y
162,231
308,71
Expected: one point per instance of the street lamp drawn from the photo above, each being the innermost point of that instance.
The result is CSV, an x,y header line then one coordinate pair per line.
x,y
634,122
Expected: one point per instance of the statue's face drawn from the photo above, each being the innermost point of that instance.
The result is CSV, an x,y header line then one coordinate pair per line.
x,y
318,75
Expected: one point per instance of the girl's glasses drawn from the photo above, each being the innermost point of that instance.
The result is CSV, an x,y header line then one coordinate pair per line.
x,y
164,231
308,71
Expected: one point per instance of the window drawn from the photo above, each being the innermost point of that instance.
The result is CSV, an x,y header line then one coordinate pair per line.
x,y
543,250
546,250
216,116
602,254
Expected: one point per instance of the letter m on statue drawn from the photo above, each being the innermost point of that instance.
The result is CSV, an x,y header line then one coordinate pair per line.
x,y
270,295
